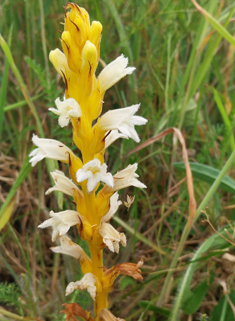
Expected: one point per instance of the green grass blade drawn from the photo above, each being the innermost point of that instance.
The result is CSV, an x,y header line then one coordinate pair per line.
x,y
3,92
193,60
208,58
149,306
50,164
208,174
124,43
20,103
224,116
212,243
25,170
138,235
23,87
215,24
193,302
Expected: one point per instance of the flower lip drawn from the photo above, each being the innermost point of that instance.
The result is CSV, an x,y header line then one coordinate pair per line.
x,y
93,172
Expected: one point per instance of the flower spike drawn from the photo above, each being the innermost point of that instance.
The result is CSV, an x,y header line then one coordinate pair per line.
x,y
93,206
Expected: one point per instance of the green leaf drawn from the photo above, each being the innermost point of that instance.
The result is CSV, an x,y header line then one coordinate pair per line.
x,y
224,115
223,311
124,282
6,214
149,306
193,302
208,174
215,24
26,168
214,242
3,91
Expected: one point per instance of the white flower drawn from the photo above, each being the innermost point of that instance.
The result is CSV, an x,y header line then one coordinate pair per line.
x,y
62,184
122,119
114,135
61,222
124,178
112,237
113,72
69,108
49,148
69,248
87,282
94,173
114,204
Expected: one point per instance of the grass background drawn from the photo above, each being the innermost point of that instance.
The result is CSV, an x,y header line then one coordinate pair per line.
x,y
184,78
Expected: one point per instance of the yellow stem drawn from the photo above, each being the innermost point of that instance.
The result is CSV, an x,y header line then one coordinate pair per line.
x,y
101,301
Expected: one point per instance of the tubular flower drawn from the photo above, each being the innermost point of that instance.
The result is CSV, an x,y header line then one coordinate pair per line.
x,y
49,148
63,184
114,205
124,178
69,248
93,172
112,136
61,222
112,237
87,282
123,120
92,134
66,109
113,72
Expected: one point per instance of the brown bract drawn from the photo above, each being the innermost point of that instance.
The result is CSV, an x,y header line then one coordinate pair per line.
x,y
130,269
74,309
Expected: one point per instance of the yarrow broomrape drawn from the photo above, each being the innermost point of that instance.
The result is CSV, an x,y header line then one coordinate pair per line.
x,y
93,188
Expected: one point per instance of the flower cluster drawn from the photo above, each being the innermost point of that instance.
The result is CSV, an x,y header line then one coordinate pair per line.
x,y
94,190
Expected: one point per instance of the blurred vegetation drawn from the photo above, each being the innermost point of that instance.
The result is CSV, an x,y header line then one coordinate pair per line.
x,y
184,78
